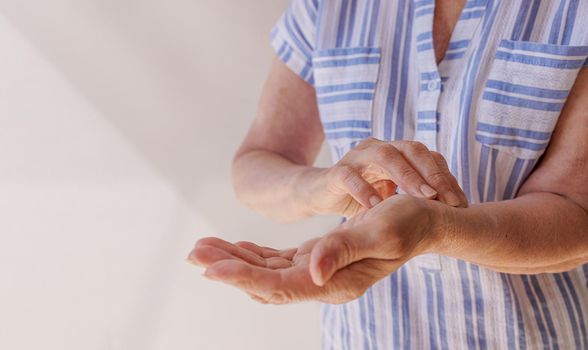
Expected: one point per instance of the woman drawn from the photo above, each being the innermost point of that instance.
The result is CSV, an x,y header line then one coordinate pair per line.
x,y
483,101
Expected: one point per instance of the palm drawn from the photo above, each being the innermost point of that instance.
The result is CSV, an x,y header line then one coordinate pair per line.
x,y
282,276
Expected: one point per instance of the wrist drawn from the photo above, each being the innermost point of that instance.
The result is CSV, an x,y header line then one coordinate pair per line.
x,y
304,186
443,220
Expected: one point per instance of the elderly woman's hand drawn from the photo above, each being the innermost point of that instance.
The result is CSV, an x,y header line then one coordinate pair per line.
x,y
371,172
336,268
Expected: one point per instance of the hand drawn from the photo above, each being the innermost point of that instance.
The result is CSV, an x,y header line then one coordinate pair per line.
x,y
336,268
370,173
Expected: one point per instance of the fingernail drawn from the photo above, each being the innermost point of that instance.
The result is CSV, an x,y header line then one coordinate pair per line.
x,y
208,275
428,191
453,199
190,261
191,257
375,200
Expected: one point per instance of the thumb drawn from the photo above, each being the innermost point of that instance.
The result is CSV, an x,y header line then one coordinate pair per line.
x,y
335,251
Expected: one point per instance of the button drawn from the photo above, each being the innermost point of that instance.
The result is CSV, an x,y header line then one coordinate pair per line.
x,y
432,85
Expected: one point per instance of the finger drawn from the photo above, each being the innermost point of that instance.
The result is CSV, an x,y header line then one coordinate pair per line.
x,y
205,255
351,181
396,168
274,286
385,188
230,248
264,252
339,249
257,298
288,253
264,283
236,271
421,159
278,263
440,160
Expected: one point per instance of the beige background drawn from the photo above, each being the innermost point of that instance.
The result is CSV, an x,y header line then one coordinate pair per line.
x,y
118,120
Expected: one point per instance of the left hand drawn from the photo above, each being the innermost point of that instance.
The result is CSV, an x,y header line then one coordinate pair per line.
x,y
335,268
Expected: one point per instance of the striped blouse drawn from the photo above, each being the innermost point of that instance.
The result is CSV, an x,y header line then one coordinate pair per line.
x,y
490,108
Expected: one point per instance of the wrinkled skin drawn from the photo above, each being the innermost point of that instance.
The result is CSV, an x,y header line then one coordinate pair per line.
x,y
335,268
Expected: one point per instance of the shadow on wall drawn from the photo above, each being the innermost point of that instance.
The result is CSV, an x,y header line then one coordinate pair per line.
x,y
115,165
180,80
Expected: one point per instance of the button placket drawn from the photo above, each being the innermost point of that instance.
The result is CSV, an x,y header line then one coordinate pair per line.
x,y
433,85
427,121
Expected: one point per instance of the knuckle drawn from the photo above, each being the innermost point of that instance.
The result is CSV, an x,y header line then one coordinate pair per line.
x,y
407,174
342,246
279,297
344,173
351,291
367,143
385,152
354,293
418,146
371,140
417,149
436,178
351,179
258,299
437,155
439,158
358,291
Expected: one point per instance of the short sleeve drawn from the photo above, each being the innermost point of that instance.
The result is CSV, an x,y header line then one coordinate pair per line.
x,y
294,37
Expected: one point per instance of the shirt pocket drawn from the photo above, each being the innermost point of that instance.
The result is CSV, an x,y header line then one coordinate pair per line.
x,y
345,81
525,92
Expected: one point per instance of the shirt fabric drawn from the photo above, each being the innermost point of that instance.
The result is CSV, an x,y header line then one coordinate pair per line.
x,y
490,108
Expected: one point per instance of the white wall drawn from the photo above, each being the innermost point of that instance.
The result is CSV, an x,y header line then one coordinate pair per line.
x,y
118,120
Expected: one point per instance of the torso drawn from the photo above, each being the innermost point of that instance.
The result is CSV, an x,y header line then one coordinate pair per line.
x,y
485,91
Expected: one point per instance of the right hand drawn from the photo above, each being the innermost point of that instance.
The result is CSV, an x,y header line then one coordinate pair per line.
x,y
373,170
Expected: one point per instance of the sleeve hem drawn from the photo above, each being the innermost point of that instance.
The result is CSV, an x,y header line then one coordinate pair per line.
x,y
299,64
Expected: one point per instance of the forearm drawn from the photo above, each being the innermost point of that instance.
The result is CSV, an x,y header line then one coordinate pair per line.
x,y
534,233
273,185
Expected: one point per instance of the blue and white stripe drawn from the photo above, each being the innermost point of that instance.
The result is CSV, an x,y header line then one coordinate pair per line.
x,y
490,106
